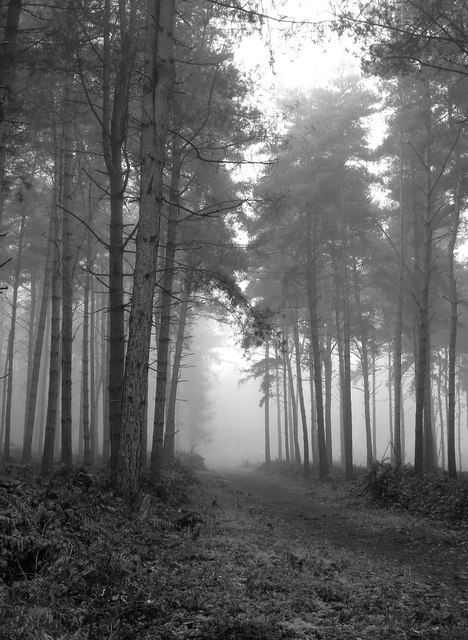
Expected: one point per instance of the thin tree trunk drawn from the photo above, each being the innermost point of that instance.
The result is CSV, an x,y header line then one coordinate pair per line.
x,y
95,386
169,436
300,393
31,401
452,295
328,368
266,388
106,438
166,301
67,281
313,300
430,450
85,374
397,357
278,404
423,305
54,357
285,404
295,422
11,340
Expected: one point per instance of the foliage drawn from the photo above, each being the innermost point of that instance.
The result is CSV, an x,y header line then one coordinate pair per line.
x,y
436,495
90,568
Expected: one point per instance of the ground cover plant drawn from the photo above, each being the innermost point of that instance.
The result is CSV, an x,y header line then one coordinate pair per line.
x,y
435,495
204,558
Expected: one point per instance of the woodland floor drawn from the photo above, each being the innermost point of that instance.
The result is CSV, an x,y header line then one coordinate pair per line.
x,y
276,558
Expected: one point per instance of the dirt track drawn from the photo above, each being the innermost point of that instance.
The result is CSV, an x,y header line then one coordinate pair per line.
x,y
406,545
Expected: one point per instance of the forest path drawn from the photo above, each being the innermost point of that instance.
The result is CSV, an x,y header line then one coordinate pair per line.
x,y
407,546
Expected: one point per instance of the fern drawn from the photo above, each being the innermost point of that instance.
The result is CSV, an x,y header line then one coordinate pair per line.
x,y
143,513
164,524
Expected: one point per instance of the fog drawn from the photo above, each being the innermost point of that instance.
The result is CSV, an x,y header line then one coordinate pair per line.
x,y
236,422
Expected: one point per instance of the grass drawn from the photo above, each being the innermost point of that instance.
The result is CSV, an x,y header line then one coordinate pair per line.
x,y
75,564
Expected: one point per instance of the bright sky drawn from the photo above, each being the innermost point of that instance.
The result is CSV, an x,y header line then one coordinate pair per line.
x,y
297,60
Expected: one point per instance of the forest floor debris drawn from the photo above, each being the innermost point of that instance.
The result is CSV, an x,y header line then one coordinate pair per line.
x,y
261,558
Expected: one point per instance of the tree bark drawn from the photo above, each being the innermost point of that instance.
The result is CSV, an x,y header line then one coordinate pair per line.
x,y
285,403
158,82
300,393
313,300
169,436
423,321
166,301
452,295
31,400
114,133
11,341
266,387
54,357
67,279
7,78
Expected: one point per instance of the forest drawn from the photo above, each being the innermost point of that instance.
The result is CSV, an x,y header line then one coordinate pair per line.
x,y
163,198
145,186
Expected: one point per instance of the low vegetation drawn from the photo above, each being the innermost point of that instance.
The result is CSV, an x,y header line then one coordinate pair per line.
x,y
199,558
435,496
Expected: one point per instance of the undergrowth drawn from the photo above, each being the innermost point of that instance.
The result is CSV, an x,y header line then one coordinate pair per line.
x,y
191,560
434,496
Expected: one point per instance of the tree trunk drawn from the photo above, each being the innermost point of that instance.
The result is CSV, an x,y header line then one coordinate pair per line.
x,y
114,134
67,280
295,425
452,295
169,436
423,323
397,357
300,393
166,301
85,374
11,341
31,400
278,404
7,78
328,368
285,403
266,389
158,81
313,300
54,357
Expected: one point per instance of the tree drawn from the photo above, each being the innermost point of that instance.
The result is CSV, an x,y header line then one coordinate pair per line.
x,y
158,84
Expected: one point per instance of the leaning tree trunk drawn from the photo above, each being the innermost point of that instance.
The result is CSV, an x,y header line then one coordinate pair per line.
x,y
158,82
